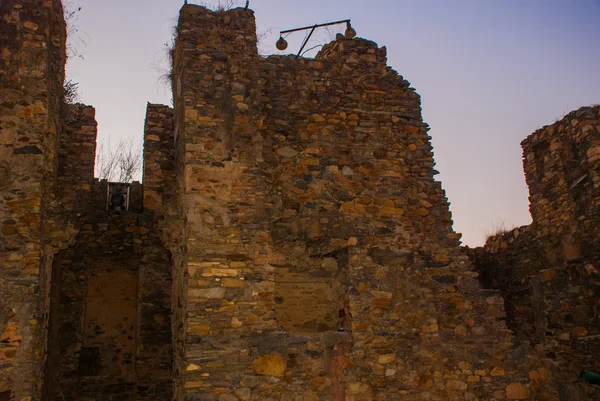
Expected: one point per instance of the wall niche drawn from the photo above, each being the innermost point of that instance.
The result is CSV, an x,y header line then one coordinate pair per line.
x,y
313,299
110,321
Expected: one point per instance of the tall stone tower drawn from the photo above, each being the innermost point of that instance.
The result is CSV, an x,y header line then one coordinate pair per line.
x,y
317,259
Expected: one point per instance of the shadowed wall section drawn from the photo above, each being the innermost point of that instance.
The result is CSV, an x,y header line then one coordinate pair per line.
x,y
549,272
111,308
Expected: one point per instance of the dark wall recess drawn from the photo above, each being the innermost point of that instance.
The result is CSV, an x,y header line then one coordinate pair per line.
x,y
110,328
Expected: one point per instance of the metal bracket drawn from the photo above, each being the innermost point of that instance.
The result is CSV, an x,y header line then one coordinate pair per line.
x,y
312,29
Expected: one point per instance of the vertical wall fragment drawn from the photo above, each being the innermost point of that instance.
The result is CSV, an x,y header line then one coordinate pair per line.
x,y
549,272
32,44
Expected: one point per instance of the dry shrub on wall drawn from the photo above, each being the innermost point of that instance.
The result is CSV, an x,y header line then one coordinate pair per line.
x,y
499,227
71,92
164,66
221,5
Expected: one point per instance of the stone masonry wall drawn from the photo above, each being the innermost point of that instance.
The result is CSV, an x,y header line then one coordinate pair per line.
x,y
548,272
319,259
110,328
54,227
552,307
289,242
160,198
159,162
32,41
110,319
77,156
562,169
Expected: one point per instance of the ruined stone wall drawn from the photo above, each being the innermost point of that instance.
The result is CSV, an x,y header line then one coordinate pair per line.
x,y
32,42
496,264
110,318
319,257
110,329
77,157
159,158
55,227
162,200
548,272
562,169
289,241
551,307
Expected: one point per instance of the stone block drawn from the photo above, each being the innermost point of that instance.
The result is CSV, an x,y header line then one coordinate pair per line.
x,y
270,365
517,391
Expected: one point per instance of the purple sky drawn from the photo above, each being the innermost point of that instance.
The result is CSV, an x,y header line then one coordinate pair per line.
x,y
489,74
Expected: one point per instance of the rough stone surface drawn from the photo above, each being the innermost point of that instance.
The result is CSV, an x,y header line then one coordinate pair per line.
x,y
289,241
32,41
269,365
55,232
517,391
548,272
313,230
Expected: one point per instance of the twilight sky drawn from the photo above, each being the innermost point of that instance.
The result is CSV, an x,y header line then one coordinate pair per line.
x,y
489,74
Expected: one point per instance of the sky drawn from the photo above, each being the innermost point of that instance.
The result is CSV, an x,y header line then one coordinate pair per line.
x,y
489,74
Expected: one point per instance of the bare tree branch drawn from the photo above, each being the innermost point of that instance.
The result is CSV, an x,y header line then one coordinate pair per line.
x,y
123,164
75,42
